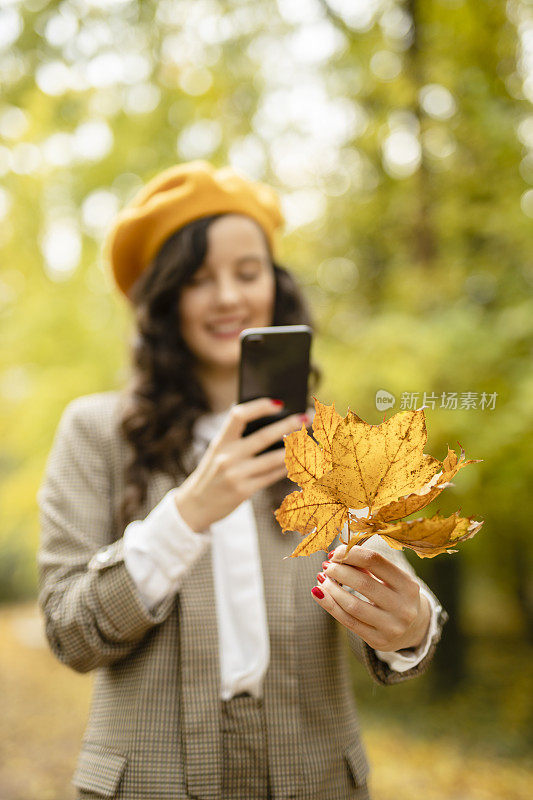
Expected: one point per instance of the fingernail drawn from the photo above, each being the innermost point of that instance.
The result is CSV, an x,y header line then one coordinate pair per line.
x,y
331,554
278,402
317,592
304,418
325,564
321,577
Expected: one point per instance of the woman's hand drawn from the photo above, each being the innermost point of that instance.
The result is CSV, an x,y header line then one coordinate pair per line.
x,y
396,615
230,470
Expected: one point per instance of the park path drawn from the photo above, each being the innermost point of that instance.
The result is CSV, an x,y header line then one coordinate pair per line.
x,y
44,709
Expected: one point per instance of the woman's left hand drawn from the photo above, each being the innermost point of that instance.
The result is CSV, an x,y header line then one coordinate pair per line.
x,y
396,614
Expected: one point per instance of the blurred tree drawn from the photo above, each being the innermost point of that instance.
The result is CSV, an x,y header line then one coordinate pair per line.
x,y
446,233
400,137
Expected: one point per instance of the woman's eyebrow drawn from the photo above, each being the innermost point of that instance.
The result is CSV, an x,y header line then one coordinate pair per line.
x,y
249,257
237,261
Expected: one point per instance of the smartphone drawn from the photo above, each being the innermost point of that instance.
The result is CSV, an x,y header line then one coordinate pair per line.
x,y
275,363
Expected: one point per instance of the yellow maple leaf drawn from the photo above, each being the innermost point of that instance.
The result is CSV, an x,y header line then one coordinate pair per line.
x,y
378,468
325,423
372,465
415,502
304,459
427,536
314,511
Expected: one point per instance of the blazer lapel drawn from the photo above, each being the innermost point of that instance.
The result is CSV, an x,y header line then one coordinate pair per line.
x,y
200,663
200,669
280,689
200,681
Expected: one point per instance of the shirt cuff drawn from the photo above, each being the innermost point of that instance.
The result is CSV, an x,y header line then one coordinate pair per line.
x,y
160,549
402,660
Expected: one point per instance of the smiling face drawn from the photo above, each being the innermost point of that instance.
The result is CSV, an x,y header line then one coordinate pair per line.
x,y
232,289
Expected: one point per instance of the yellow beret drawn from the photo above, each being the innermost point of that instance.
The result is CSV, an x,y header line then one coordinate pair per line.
x,y
174,198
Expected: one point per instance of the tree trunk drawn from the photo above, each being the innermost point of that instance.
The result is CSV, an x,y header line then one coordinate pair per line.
x,y
449,666
523,584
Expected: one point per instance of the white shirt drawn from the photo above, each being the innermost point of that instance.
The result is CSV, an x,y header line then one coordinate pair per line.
x,y
162,548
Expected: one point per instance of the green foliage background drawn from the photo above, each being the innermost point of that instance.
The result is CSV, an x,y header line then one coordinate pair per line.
x,y
434,295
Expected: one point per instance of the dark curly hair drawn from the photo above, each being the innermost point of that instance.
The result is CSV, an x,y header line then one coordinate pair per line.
x,y
163,398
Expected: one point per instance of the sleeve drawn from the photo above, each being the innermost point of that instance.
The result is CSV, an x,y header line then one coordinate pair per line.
x,y
93,612
159,550
402,660
380,668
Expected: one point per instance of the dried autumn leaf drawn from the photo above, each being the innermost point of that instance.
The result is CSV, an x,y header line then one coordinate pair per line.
x,y
303,457
415,502
373,465
363,525
381,469
426,536
325,423
314,511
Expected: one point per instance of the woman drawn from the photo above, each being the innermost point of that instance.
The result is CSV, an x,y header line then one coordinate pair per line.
x,y
218,673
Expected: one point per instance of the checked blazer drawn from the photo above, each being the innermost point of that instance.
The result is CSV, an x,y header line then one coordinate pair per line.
x,y
154,723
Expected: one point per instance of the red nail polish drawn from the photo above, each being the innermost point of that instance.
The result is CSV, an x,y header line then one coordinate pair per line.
x,y
317,592
321,577
304,418
278,402
330,554
325,564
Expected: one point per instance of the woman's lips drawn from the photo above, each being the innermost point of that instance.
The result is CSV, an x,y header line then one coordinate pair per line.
x,y
219,335
226,330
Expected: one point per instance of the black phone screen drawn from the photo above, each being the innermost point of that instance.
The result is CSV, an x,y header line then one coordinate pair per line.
x,y
275,363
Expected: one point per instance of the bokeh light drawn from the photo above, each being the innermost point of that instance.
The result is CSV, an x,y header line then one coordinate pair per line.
x,y
98,210
248,155
25,158
402,154
302,207
358,14
5,203
437,101
10,27
14,122
526,203
93,140
61,248
338,275
386,65
200,139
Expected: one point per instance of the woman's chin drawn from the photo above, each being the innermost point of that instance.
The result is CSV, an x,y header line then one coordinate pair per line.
x,y
226,358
